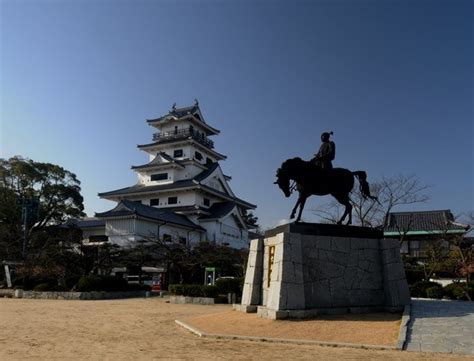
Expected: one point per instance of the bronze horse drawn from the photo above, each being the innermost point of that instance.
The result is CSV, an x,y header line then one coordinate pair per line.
x,y
310,180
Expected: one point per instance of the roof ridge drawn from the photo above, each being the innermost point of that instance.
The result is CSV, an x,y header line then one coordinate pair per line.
x,y
430,211
186,107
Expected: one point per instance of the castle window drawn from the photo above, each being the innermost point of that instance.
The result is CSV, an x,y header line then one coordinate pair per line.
x,y
172,200
207,202
208,161
198,156
167,237
159,176
178,153
154,202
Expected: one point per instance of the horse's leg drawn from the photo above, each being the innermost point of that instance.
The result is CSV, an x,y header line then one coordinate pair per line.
x,y
345,201
302,203
294,208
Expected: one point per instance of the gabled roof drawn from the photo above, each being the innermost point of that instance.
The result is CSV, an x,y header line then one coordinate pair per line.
x,y
178,113
207,172
156,162
423,222
178,185
219,210
189,140
129,208
88,222
189,209
138,188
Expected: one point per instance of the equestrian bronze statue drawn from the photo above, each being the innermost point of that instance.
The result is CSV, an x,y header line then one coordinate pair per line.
x,y
310,179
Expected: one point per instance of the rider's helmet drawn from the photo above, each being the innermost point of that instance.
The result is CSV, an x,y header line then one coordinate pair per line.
x,y
325,136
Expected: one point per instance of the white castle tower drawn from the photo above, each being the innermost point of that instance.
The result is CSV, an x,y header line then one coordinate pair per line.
x,y
181,193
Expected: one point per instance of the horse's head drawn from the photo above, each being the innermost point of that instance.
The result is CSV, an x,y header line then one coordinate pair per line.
x,y
283,182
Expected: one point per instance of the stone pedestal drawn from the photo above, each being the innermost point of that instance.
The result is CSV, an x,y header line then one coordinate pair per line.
x,y
300,270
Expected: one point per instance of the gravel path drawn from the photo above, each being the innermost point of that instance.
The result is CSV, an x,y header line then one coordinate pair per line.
x,y
441,326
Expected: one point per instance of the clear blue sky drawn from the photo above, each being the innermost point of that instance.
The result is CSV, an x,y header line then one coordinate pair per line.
x,y
392,79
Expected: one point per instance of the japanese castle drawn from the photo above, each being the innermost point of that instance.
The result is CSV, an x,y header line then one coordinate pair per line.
x,y
181,194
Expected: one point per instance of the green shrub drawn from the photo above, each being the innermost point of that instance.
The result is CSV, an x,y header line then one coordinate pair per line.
x,y
229,285
138,287
176,290
42,287
101,283
418,289
89,283
194,290
435,292
72,281
456,291
48,287
113,284
210,291
29,283
414,275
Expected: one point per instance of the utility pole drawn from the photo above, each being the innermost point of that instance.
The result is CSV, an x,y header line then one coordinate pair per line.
x,y
29,214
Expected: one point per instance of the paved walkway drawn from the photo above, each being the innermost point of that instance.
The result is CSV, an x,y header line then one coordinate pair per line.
x,y
441,326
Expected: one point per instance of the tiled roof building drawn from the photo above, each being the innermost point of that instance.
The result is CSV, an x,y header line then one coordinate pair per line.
x,y
418,230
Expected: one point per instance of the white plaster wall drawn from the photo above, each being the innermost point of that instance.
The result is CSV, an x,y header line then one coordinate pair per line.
x,y
226,231
185,148
146,228
169,127
87,232
217,181
185,198
122,240
120,227
188,173
119,231
151,229
213,183
200,199
145,177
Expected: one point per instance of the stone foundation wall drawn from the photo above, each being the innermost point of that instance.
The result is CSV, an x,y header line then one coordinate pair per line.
x,y
311,267
80,295
194,300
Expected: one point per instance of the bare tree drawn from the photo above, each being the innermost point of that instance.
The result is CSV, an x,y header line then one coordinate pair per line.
x,y
391,192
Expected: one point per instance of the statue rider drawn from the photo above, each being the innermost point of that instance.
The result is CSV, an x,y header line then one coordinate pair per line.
x,y
327,152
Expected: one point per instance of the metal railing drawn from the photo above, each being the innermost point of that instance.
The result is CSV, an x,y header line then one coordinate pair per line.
x,y
183,133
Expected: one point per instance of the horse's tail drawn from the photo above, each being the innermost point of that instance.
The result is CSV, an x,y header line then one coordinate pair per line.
x,y
364,185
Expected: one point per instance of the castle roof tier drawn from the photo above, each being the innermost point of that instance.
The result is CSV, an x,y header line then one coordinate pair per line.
x,y
162,142
195,184
192,114
162,160
129,208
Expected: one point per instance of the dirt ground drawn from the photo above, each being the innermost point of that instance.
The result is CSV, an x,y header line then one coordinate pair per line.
x,y
369,329
144,329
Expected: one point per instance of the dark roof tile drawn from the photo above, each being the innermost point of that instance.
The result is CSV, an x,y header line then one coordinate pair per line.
x,y
127,208
86,222
155,162
422,221
219,210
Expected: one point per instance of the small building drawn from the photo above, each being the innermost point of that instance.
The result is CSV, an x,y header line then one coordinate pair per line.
x,y
416,231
